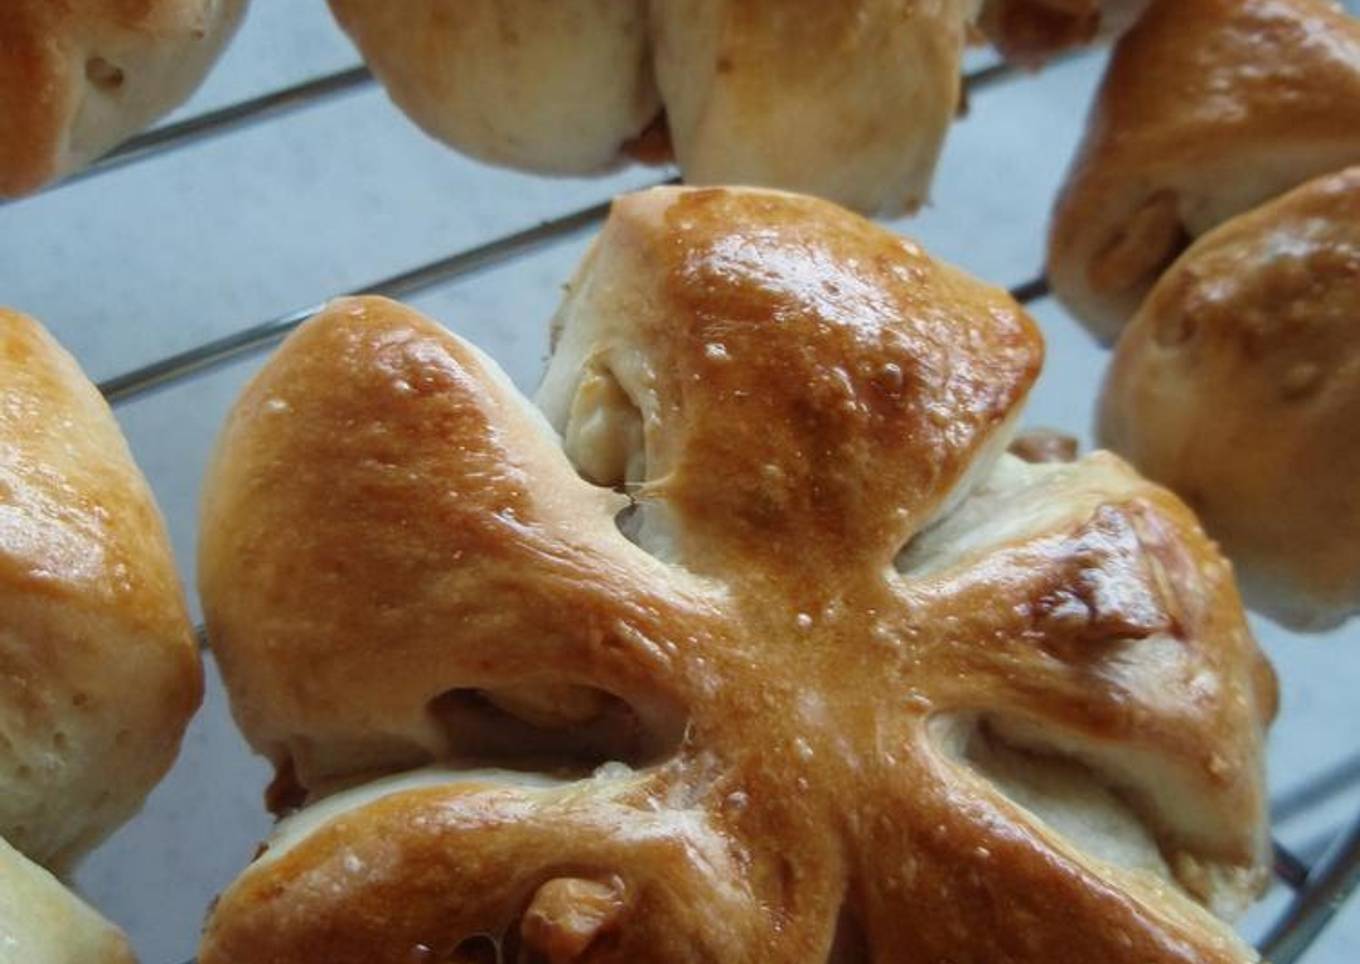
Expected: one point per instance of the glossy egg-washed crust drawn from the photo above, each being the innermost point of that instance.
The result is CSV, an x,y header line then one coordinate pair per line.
x,y
99,671
387,520
1238,385
95,71
1208,108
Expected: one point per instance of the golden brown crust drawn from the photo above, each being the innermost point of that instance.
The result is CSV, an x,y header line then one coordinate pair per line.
x,y
78,76
1238,385
1208,108
377,449
846,459
663,867
379,495
100,669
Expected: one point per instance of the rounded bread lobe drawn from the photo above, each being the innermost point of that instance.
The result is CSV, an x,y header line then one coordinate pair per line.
x,y
1207,108
556,86
1238,385
77,78
810,386
917,722
99,671
850,100
382,513
41,922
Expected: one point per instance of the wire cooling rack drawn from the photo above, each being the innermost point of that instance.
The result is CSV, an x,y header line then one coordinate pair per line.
x,y
1317,889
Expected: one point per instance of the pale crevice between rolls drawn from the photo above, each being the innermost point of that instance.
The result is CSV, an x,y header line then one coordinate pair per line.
x,y
985,463
571,725
1093,808
1013,502
1019,503
605,436
599,392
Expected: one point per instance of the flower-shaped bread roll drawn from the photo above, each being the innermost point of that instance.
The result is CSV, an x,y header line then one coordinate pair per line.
x,y
76,78
1238,385
850,100
1208,108
877,689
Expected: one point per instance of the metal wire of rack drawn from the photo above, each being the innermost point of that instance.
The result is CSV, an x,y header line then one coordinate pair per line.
x,y
1318,891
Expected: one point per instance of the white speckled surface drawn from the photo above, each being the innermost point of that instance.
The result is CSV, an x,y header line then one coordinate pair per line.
x,y
153,259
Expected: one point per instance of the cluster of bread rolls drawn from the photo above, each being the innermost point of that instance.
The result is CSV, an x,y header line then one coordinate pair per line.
x,y
78,78
850,100
750,643
1211,221
759,638
100,671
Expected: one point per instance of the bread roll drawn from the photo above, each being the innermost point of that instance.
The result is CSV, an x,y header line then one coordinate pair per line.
x,y
847,100
41,922
850,100
1238,385
100,668
1032,31
555,86
883,690
79,76
1208,108
387,866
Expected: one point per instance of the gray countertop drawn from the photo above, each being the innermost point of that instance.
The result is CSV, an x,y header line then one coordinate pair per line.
x,y
157,257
